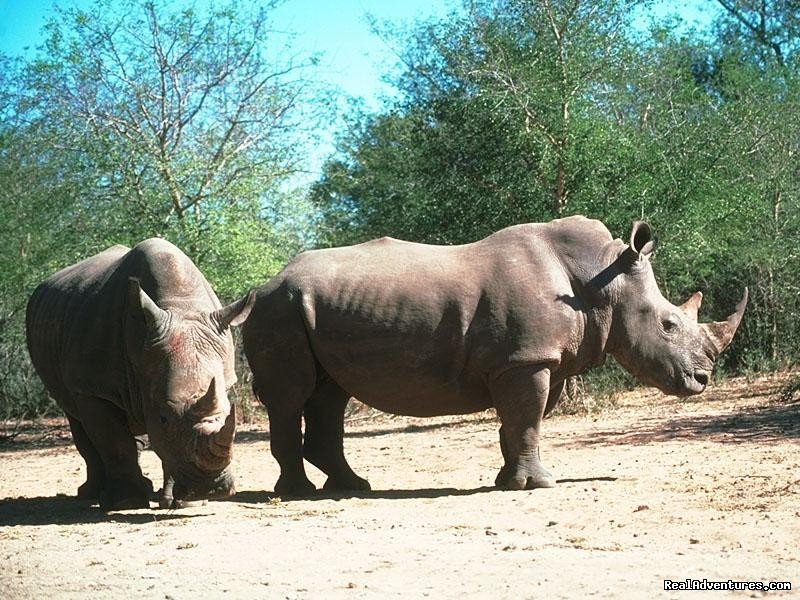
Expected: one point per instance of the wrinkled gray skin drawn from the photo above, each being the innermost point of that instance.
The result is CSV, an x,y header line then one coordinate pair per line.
x,y
134,341
422,330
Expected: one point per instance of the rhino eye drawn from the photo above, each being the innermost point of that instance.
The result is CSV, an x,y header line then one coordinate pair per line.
x,y
669,325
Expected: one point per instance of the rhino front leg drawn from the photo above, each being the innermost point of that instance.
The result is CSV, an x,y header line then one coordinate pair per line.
x,y
520,396
106,427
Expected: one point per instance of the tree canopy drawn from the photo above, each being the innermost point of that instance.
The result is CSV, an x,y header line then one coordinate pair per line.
x,y
137,120
516,110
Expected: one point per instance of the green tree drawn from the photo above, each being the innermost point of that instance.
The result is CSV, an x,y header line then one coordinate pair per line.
x,y
514,111
756,71
134,120
493,127
178,116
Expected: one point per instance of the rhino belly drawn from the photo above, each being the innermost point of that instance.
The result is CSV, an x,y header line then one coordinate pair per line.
x,y
420,398
397,384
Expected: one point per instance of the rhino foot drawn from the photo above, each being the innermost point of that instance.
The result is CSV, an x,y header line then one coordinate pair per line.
x,y
123,495
90,490
298,488
351,484
524,479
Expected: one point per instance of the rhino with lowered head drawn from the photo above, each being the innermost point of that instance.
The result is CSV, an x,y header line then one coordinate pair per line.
x,y
134,341
423,330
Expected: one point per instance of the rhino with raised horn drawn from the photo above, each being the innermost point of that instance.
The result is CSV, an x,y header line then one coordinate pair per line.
x,y
134,341
663,346
424,330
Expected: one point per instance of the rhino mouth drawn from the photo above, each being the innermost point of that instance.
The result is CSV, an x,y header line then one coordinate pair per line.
x,y
193,484
211,493
695,382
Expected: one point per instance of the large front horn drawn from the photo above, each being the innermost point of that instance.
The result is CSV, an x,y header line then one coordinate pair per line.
x,y
224,437
721,333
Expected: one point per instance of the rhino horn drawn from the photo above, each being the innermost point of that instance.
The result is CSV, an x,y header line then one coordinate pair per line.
x,y
156,319
235,313
215,446
207,405
224,437
692,306
721,333
219,449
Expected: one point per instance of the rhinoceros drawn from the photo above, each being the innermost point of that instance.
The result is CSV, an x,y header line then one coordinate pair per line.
x,y
423,330
134,341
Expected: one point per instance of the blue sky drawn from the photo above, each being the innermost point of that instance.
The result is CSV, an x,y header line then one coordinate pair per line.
x,y
353,58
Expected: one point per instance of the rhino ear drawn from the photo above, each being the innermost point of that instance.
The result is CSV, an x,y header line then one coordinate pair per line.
x,y
143,307
234,314
642,240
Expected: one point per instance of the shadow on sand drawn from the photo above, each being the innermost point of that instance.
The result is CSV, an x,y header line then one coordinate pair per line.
x,y
769,423
66,510
260,497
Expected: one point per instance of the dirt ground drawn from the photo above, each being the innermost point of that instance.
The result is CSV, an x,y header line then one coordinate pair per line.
x,y
656,488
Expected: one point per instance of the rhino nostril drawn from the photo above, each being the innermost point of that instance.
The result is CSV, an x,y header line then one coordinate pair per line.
x,y
701,377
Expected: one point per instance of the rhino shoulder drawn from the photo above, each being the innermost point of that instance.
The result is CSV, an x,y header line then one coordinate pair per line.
x,y
156,245
167,273
578,227
574,228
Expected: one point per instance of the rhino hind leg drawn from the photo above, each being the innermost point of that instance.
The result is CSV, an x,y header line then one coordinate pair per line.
x,y
106,429
95,471
286,444
520,396
284,377
323,445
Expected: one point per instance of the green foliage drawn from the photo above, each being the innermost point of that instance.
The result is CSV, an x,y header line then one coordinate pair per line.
x,y
137,121
133,122
514,111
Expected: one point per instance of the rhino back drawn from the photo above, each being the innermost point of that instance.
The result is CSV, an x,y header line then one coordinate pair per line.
x,y
419,329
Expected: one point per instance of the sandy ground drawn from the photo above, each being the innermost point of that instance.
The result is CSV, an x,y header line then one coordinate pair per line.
x,y
657,488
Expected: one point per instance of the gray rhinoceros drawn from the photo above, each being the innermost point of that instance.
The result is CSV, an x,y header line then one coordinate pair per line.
x,y
423,330
134,341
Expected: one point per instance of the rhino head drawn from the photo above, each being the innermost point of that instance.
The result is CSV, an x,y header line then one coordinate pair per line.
x,y
184,362
661,344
